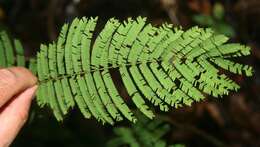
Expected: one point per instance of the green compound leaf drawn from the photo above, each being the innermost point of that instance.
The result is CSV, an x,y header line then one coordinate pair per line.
x,y
161,66
11,51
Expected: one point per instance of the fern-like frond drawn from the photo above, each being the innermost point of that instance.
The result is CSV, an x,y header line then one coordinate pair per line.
x,y
145,133
164,66
11,51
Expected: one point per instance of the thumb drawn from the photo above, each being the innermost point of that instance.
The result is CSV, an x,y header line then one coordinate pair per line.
x,y
13,116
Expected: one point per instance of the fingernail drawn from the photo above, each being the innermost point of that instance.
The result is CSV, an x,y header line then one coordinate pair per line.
x,y
34,90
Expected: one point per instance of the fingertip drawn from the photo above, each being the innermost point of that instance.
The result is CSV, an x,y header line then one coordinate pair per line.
x,y
32,91
22,72
13,81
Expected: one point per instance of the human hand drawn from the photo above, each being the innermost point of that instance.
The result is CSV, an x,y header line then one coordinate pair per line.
x,y
17,89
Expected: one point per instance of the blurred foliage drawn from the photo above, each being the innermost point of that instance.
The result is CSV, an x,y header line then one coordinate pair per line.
x,y
145,133
216,21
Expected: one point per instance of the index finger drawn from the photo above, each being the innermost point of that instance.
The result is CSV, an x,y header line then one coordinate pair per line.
x,y
13,81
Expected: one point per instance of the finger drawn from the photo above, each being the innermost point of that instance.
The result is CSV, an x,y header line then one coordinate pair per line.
x,y
14,80
13,116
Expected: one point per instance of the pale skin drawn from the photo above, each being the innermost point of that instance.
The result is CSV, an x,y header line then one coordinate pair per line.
x,y
17,90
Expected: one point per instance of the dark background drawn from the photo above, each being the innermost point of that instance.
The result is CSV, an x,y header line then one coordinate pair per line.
x,y
232,121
